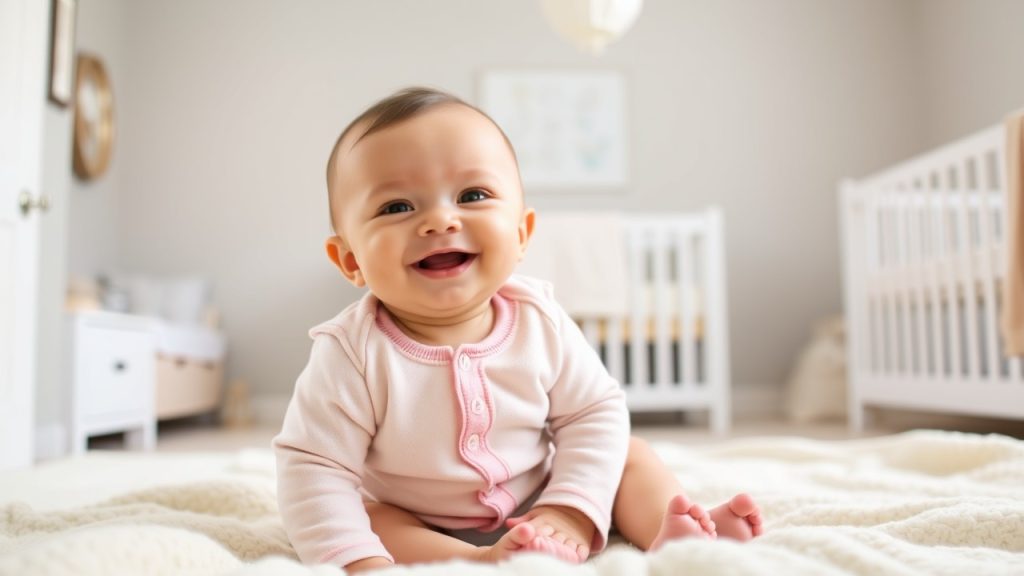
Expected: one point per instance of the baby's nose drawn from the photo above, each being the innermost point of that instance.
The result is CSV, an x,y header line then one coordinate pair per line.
x,y
440,221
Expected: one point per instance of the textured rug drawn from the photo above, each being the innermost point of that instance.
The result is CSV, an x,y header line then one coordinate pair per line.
x,y
923,502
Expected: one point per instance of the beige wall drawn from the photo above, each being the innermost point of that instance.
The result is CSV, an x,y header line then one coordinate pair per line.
x,y
102,31
229,108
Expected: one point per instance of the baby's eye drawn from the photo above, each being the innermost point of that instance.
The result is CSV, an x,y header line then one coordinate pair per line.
x,y
474,195
396,208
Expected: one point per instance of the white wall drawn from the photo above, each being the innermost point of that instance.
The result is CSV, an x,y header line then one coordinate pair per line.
x,y
227,111
974,70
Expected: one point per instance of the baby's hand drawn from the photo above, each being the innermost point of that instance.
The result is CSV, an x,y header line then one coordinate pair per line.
x,y
563,532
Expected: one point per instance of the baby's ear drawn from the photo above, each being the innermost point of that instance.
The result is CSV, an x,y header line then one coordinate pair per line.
x,y
526,230
345,260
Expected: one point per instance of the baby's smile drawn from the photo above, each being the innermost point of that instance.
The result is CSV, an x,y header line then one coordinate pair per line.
x,y
444,264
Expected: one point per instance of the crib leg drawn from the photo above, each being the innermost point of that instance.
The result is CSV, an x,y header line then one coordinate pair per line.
x,y
720,420
859,418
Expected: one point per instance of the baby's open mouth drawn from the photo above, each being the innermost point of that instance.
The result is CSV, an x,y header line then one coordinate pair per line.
x,y
444,261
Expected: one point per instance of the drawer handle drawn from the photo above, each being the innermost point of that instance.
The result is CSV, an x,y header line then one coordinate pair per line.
x,y
120,366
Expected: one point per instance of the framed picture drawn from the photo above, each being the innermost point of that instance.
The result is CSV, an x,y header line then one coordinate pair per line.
x,y
62,51
568,126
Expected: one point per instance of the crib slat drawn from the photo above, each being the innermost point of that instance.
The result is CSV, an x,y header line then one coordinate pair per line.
x,y
918,278
687,283
638,312
613,348
904,281
873,263
662,335
894,364
952,294
591,331
935,281
966,279
987,269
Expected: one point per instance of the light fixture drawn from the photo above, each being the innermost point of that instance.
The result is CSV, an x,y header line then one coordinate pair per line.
x,y
591,25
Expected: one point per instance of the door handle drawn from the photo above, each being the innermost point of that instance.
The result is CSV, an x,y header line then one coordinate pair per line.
x,y
27,203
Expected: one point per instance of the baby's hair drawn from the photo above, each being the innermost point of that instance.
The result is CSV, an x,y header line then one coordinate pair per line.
x,y
400,106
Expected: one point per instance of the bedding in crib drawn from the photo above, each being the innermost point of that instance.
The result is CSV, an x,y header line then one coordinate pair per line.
x,y
923,502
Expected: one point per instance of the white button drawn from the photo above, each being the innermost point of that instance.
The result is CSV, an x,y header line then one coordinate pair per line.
x,y
477,406
474,442
464,362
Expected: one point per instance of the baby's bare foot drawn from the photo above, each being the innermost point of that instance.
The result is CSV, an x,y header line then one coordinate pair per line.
x,y
512,542
683,519
739,518
555,544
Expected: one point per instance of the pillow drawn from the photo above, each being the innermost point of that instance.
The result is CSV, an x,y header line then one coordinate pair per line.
x,y
184,300
180,300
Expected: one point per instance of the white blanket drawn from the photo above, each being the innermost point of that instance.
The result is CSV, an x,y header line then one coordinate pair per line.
x,y
916,503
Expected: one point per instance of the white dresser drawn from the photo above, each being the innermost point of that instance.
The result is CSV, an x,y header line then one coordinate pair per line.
x,y
113,375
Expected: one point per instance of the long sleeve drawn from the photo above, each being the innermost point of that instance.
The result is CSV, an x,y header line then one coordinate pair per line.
x,y
590,429
320,453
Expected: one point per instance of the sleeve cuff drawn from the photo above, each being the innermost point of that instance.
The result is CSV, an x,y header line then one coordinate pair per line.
x,y
345,555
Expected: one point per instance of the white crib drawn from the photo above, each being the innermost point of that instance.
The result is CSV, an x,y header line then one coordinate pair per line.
x,y
671,352
924,254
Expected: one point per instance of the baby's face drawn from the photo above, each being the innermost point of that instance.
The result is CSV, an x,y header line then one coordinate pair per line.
x,y
430,213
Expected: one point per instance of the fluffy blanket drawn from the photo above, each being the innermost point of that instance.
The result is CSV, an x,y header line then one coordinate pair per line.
x,y
922,502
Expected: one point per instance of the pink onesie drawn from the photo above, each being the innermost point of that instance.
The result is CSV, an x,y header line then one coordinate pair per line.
x,y
459,437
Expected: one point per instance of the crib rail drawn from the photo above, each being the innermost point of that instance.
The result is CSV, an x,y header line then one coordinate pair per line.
x,y
671,351
924,255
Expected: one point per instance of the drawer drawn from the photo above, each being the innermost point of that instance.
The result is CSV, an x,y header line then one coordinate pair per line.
x,y
117,372
186,387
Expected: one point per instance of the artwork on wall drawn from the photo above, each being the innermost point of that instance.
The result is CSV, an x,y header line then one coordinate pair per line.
x,y
568,126
62,51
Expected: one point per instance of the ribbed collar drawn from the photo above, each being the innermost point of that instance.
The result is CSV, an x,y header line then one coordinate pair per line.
x,y
506,315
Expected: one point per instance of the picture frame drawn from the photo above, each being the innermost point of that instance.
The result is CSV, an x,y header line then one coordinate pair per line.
x,y
568,126
62,51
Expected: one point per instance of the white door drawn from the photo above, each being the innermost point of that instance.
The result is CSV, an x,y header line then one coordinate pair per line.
x,y
23,65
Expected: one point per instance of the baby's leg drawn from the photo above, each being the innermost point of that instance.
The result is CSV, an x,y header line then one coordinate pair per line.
x,y
651,506
411,541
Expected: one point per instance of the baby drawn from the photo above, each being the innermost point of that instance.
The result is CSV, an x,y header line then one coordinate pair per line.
x,y
456,411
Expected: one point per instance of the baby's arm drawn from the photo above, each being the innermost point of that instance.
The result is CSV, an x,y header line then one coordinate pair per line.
x,y
320,453
589,424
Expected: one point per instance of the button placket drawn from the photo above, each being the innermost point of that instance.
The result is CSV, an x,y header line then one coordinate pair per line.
x,y
477,421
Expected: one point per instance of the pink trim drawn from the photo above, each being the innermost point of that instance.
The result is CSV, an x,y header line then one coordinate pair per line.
x,y
502,502
490,411
506,318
